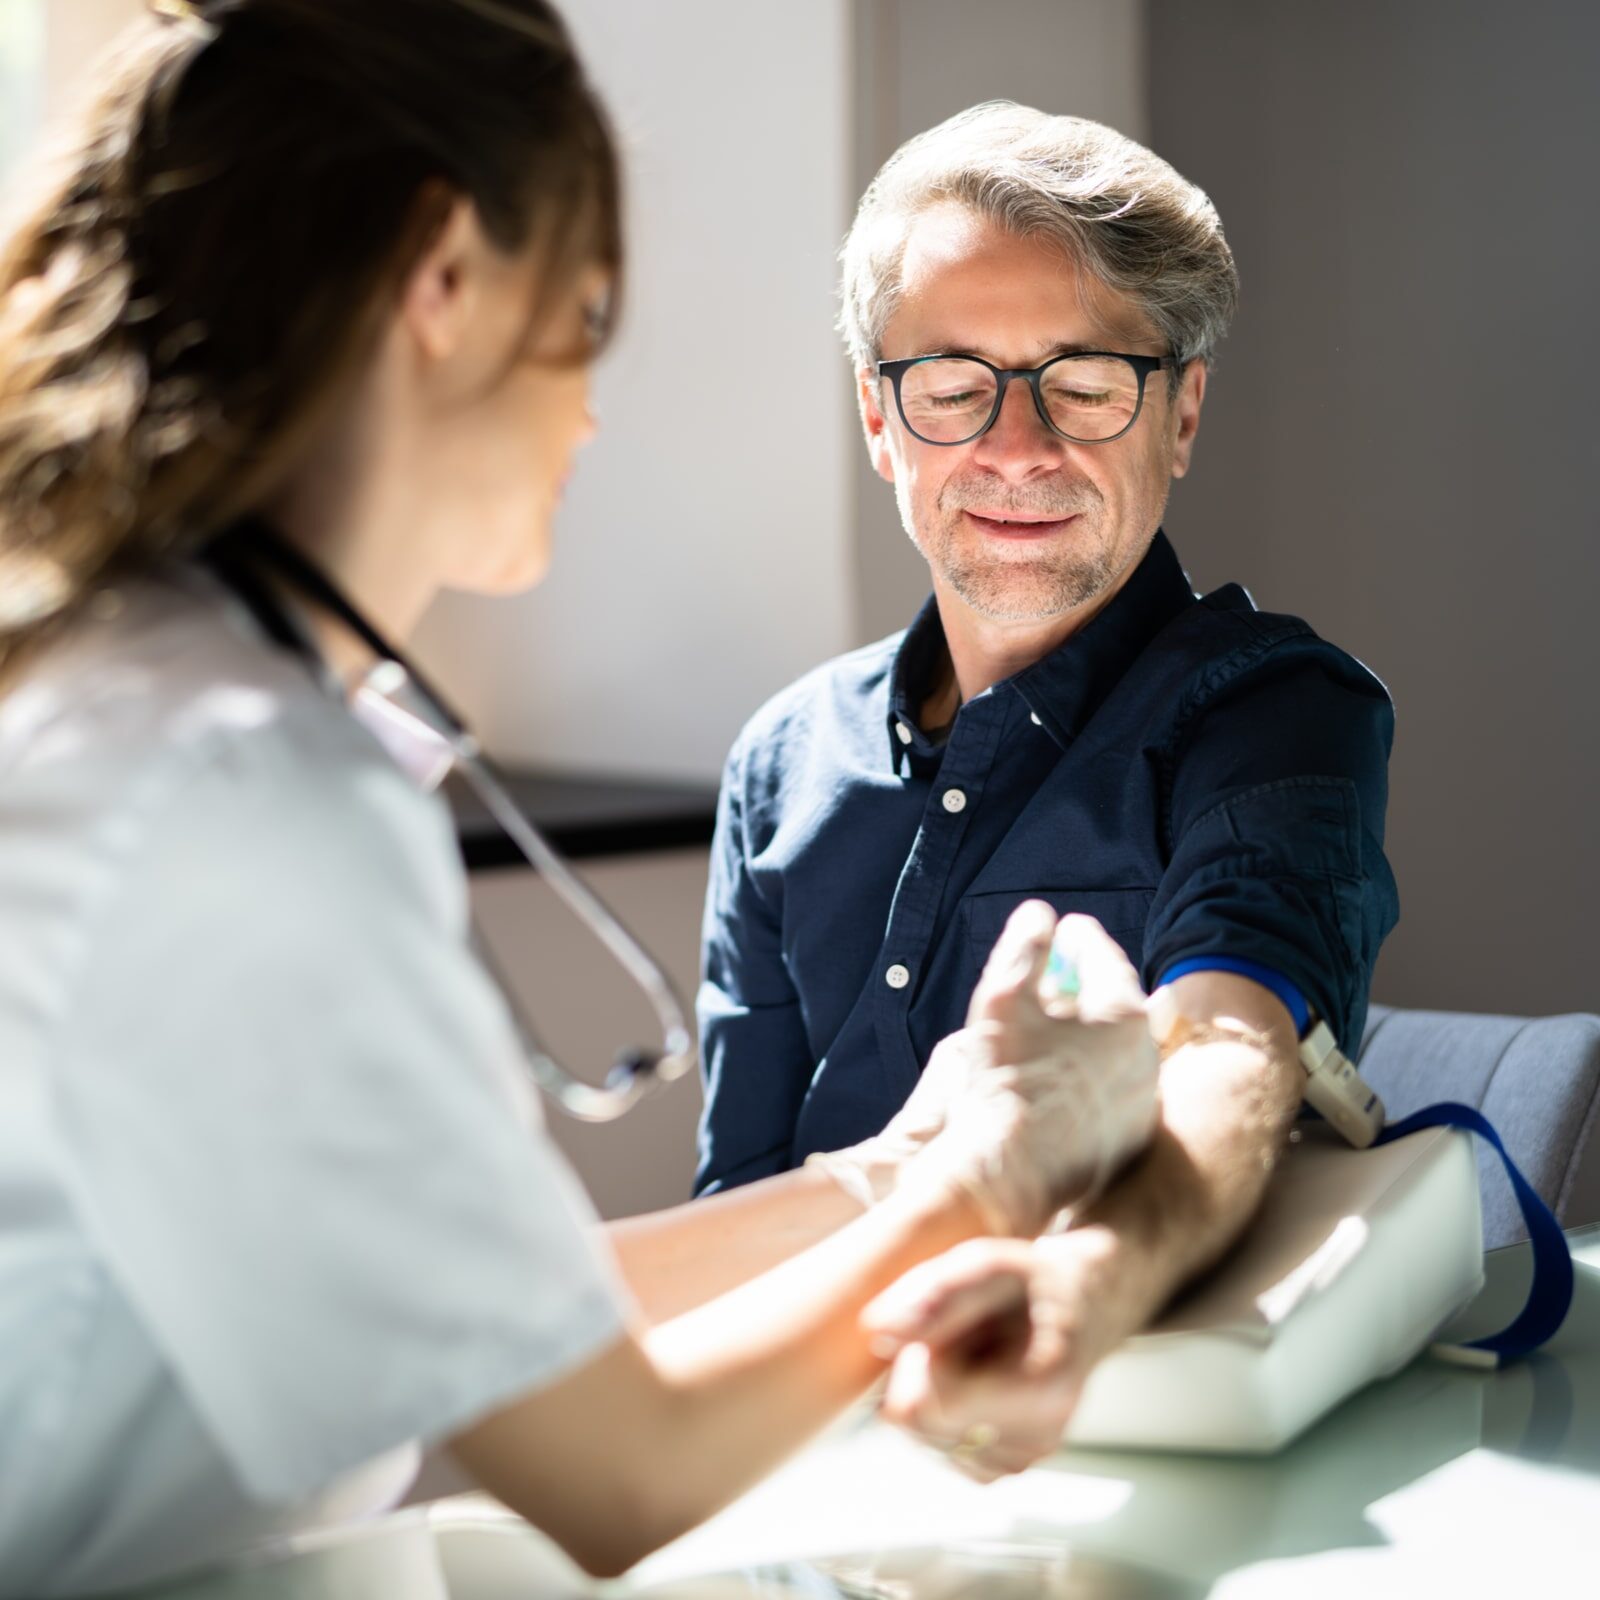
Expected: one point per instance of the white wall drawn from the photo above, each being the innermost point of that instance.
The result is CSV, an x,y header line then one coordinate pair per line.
x,y
46,50
702,557
21,63
77,35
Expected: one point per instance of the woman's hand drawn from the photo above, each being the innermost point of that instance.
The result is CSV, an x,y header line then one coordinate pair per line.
x,y
1058,1092
1039,1098
870,1170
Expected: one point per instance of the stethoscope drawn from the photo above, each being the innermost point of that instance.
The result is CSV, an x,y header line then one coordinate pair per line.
x,y
242,558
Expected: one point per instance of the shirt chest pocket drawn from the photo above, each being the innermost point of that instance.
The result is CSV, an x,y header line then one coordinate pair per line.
x,y
1123,913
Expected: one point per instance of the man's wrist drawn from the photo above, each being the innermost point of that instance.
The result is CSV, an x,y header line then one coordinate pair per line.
x,y
1229,1089
1108,1286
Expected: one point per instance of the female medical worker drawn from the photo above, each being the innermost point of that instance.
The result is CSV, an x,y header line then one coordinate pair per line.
x,y
267,1214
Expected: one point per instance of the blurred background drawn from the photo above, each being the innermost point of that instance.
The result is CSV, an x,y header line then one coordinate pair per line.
x,y
1397,441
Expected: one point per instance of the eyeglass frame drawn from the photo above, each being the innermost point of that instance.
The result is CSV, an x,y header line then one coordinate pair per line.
x,y
1142,366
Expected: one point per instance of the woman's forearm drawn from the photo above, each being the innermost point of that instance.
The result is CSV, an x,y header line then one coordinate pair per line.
x,y
657,1433
786,1344
678,1259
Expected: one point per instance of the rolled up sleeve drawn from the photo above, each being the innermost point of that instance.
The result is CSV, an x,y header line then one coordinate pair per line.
x,y
1276,822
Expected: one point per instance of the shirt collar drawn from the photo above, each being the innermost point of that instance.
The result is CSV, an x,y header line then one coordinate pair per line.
x,y
921,654
1064,688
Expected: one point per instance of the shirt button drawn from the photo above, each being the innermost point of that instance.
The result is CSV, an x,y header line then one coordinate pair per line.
x,y
902,733
1033,717
954,801
897,977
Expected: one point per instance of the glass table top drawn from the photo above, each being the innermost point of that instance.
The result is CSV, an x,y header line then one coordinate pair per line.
x,y
1437,1481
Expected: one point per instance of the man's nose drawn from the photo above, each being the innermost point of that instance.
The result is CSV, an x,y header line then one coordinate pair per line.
x,y
1019,444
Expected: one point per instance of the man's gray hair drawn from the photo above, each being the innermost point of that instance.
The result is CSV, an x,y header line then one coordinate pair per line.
x,y
1119,212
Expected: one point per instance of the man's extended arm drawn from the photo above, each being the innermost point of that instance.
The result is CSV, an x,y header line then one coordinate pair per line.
x,y
1230,1086
1231,1083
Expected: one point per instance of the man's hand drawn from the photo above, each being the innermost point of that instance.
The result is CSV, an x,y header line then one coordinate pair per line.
x,y
992,1344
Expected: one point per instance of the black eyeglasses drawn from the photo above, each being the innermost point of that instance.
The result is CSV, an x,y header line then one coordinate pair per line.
x,y
1089,397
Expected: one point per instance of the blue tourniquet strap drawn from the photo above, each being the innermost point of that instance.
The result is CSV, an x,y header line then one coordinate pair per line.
x,y
1266,976
1551,1292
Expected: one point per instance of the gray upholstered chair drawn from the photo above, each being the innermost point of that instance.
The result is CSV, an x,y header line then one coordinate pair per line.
x,y
1536,1079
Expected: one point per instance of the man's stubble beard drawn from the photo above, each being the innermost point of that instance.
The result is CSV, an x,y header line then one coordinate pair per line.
x,y
1049,585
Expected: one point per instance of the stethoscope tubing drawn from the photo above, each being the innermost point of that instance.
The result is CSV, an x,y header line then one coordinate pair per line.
x,y
239,559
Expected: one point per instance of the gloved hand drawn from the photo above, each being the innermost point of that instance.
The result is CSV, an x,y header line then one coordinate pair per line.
x,y
1040,1098
869,1171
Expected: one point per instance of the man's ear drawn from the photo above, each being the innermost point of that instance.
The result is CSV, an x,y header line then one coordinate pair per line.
x,y
1190,397
438,295
873,424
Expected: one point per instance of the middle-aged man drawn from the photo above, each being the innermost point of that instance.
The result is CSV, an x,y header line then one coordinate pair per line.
x,y
1031,304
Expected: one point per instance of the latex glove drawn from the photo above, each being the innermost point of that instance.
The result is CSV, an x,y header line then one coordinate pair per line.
x,y
1017,1019
869,1171
1064,1090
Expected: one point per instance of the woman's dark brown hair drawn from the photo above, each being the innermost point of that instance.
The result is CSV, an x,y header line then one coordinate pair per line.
x,y
210,269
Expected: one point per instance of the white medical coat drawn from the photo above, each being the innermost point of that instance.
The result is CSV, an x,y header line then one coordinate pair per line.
x,y
271,1209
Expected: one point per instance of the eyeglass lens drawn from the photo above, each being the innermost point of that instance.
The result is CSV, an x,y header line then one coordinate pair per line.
x,y
950,399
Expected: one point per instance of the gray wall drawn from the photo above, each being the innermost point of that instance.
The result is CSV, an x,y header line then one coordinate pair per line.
x,y
1396,441
1400,436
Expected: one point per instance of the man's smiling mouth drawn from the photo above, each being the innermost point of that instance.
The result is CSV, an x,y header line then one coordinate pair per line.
x,y
1018,526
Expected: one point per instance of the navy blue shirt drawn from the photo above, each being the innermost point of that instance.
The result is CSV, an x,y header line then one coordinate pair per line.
x,y
1206,779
